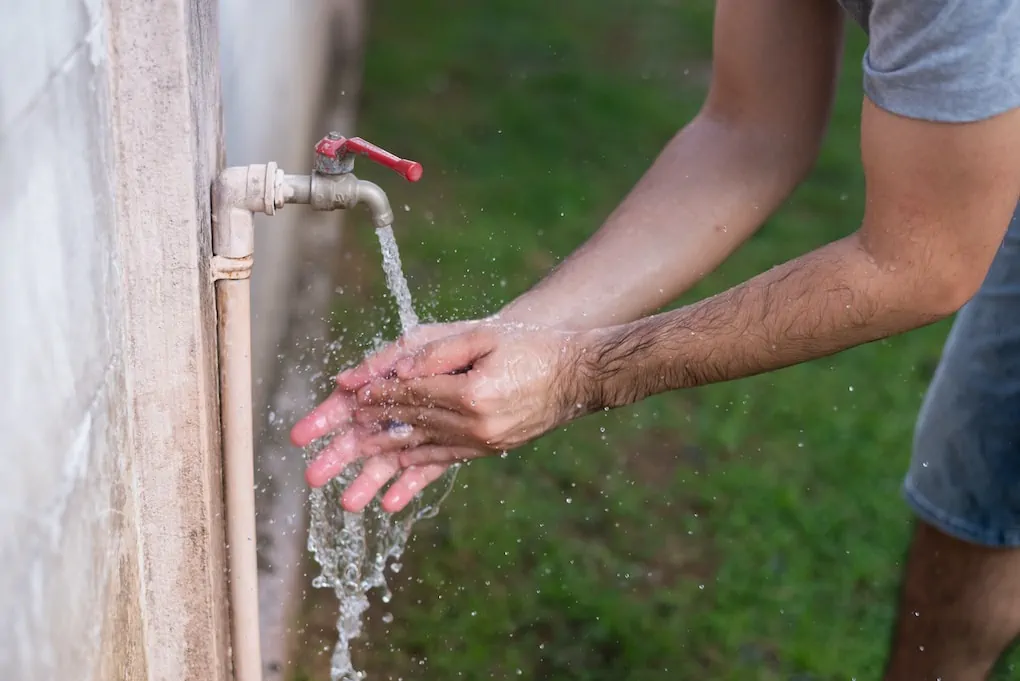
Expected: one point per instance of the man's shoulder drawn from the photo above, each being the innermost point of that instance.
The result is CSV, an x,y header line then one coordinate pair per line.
x,y
942,60
859,11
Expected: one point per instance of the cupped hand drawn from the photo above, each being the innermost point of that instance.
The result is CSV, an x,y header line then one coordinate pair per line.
x,y
334,417
487,389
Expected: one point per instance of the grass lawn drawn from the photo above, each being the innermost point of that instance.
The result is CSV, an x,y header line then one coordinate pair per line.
x,y
751,530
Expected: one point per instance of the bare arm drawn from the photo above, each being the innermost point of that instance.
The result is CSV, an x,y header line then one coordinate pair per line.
x,y
774,70
939,199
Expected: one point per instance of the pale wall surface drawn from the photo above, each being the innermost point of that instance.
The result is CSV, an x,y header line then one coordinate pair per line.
x,y
110,518
67,536
111,562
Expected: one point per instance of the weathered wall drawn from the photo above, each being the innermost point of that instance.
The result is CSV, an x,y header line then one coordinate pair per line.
x,y
110,509
67,526
110,536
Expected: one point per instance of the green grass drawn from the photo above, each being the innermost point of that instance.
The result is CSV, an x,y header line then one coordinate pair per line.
x,y
750,530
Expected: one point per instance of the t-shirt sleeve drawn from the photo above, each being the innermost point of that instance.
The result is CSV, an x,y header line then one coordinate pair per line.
x,y
944,60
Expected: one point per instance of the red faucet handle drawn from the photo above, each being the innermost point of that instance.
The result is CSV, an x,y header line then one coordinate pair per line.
x,y
336,147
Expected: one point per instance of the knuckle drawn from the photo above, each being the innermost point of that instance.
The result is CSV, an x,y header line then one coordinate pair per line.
x,y
486,430
468,398
478,398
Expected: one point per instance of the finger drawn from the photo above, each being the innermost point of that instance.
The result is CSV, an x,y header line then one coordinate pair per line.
x,y
446,355
434,391
376,472
437,454
375,365
392,440
409,484
334,411
340,452
443,425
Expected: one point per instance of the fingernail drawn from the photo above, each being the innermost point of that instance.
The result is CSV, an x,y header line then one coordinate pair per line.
x,y
400,431
404,365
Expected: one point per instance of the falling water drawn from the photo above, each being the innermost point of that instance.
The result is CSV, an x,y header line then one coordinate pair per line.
x,y
395,278
353,549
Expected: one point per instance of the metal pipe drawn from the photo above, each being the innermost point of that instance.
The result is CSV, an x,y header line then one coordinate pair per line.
x,y
297,188
238,194
330,192
233,298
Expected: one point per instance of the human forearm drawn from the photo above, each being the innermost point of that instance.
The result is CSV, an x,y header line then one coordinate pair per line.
x,y
709,190
826,301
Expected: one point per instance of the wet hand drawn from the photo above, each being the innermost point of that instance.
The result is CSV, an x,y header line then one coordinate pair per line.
x,y
334,417
487,389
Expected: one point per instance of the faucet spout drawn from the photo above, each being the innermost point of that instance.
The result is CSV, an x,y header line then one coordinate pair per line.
x,y
330,192
377,202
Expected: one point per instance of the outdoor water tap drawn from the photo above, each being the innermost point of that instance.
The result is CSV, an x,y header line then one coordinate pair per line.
x,y
335,154
333,184
237,194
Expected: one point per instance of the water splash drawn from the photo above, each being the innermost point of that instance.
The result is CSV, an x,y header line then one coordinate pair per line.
x,y
353,549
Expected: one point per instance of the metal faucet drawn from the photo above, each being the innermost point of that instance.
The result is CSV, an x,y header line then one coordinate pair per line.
x,y
238,194
333,184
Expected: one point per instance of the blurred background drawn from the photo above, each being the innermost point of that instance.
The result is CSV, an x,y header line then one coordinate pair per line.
x,y
751,530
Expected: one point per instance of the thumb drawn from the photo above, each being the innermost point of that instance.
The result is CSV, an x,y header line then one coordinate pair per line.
x,y
373,366
447,355
382,363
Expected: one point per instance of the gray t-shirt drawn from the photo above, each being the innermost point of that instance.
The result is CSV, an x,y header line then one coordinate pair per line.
x,y
941,60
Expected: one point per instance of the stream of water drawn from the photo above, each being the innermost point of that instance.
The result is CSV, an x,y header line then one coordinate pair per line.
x,y
354,549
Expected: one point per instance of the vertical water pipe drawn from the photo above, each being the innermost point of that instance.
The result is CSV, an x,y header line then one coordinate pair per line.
x,y
238,194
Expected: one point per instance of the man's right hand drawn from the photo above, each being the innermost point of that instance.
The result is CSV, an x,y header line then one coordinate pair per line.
x,y
335,417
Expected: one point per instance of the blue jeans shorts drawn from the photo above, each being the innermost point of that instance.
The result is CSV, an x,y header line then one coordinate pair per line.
x,y
964,475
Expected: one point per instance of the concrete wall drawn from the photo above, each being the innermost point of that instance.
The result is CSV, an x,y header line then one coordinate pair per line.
x,y
110,523
68,542
111,536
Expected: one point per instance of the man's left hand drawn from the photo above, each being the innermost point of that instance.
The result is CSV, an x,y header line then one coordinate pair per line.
x,y
489,389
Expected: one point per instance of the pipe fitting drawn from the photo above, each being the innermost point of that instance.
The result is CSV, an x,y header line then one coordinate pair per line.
x,y
238,193
332,192
329,192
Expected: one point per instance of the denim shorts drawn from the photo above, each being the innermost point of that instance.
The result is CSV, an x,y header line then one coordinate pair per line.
x,y
964,475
